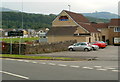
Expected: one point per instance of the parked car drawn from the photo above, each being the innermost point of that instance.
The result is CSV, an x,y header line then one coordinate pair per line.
x,y
104,42
95,47
80,46
99,43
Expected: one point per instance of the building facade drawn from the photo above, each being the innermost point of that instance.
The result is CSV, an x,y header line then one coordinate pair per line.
x,y
72,26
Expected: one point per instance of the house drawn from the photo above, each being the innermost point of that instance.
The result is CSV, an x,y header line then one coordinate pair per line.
x,y
114,31
72,26
103,29
109,31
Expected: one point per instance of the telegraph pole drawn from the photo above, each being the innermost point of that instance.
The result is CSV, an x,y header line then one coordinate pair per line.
x,y
22,27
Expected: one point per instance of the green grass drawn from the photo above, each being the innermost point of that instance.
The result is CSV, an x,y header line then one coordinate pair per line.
x,y
8,40
31,57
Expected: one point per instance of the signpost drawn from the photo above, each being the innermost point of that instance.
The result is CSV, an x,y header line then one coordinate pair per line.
x,y
14,33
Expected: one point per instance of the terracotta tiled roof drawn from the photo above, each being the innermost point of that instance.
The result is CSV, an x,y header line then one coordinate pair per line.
x,y
114,22
77,17
81,20
88,27
57,31
100,25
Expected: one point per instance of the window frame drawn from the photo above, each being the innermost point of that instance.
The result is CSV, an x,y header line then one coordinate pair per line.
x,y
116,29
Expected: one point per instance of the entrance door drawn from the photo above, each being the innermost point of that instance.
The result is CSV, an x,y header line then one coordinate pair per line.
x,y
90,40
103,38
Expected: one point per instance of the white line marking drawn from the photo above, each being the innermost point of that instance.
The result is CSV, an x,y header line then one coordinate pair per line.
x,y
26,61
115,70
74,66
20,76
102,69
34,62
62,65
43,63
110,68
51,64
98,66
87,67
20,60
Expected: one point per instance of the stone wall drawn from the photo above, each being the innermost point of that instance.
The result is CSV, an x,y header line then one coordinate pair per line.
x,y
38,48
48,47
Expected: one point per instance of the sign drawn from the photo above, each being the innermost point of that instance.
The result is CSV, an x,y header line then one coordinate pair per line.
x,y
116,40
15,33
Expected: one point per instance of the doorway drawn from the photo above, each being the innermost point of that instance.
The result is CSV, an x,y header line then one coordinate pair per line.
x,y
103,38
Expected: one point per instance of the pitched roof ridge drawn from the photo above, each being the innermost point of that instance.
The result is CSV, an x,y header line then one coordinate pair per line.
x,y
73,12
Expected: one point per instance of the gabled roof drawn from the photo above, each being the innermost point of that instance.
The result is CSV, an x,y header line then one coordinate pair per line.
x,y
100,25
58,31
82,21
89,27
114,22
77,17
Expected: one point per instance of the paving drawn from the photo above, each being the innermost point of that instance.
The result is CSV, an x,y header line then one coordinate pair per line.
x,y
107,54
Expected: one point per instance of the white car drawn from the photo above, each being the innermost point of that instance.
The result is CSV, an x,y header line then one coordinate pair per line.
x,y
80,46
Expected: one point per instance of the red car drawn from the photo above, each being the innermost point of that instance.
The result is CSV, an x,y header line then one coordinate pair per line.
x,y
99,43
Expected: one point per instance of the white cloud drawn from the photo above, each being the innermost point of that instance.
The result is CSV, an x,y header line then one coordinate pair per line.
x,y
55,6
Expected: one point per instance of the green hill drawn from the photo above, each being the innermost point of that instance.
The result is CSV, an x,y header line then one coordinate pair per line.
x,y
31,20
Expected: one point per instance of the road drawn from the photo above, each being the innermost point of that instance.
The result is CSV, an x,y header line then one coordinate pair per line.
x,y
59,70
16,69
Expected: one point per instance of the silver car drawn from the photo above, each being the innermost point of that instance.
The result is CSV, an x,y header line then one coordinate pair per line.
x,y
80,46
94,47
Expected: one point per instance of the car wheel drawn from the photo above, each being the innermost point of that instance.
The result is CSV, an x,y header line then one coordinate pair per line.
x,y
93,48
86,49
70,49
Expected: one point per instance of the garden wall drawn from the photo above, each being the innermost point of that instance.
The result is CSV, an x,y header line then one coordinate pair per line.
x,y
38,48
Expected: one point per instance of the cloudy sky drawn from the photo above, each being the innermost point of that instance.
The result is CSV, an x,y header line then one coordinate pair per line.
x,y
56,6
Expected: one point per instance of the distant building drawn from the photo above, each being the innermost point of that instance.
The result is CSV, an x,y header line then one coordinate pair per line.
x,y
109,31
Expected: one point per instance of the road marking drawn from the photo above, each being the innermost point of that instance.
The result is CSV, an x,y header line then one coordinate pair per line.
x,y
74,66
20,60
51,64
110,68
98,66
26,61
20,76
43,63
115,70
62,65
87,68
34,62
102,69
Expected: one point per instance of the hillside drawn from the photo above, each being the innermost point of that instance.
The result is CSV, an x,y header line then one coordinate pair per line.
x,y
102,15
33,21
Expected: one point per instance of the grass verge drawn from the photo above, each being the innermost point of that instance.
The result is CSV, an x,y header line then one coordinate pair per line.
x,y
8,40
33,57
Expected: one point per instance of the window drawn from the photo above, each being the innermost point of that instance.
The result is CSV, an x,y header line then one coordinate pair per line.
x,y
99,30
63,18
117,29
83,44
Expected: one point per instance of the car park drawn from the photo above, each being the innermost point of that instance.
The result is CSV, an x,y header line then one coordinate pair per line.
x,y
85,46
